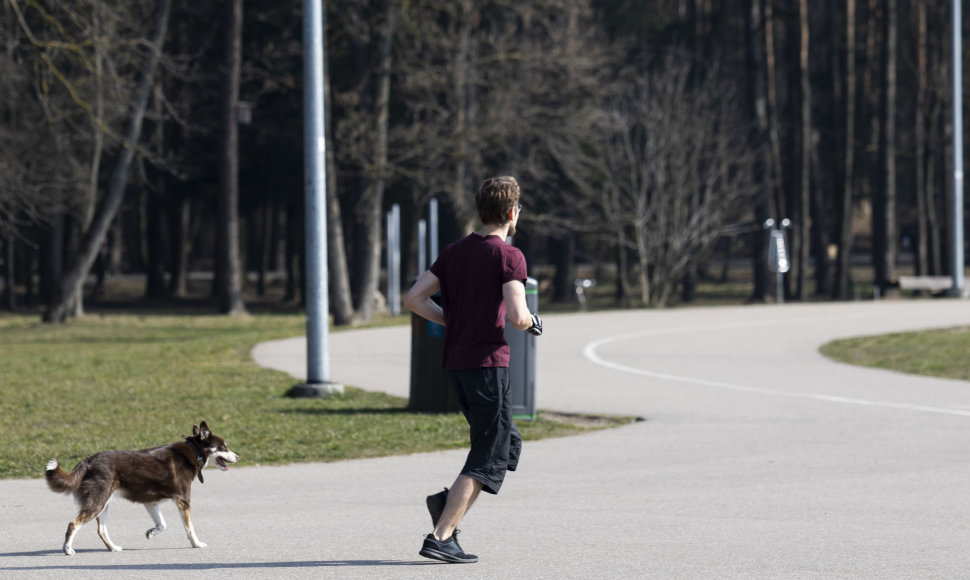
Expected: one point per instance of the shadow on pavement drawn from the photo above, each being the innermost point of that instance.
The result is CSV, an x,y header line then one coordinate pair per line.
x,y
211,566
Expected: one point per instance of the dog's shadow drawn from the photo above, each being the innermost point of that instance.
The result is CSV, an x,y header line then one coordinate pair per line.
x,y
37,553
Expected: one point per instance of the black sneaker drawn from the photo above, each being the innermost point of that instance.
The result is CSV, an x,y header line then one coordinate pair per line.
x,y
436,505
446,551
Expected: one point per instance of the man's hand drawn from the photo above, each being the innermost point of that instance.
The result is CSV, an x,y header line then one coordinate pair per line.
x,y
536,328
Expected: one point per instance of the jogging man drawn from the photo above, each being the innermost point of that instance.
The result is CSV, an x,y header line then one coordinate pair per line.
x,y
481,279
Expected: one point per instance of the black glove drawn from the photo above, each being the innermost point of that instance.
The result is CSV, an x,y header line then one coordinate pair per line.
x,y
536,328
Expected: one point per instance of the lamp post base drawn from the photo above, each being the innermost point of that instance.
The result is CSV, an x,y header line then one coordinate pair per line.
x,y
315,390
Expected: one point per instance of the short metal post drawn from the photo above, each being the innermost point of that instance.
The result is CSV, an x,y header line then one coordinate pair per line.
x,y
433,229
422,246
394,260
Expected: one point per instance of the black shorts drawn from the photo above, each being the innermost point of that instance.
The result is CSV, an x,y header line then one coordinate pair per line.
x,y
495,441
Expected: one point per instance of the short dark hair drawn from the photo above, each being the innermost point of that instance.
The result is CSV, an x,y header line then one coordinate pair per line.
x,y
495,198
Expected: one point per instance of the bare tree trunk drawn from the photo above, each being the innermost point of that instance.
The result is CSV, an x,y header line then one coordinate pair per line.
x,y
688,293
933,157
922,264
869,162
819,232
138,227
622,284
884,213
182,235
9,280
265,246
804,222
458,194
30,266
941,157
115,247
294,235
843,270
341,300
758,97
640,234
375,195
563,287
230,291
91,196
58,309
774,126
51,260
341,303
155,216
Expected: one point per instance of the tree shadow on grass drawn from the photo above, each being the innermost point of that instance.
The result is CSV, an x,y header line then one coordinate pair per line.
x,y
364,411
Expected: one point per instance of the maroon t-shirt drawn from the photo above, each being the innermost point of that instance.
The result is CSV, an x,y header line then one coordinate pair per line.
x,y
472,272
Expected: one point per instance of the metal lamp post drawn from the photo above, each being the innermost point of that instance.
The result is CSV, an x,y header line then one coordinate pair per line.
x,y
314,145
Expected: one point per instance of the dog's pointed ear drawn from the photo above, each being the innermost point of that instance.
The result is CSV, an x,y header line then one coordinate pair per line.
x,y
204,431
195,430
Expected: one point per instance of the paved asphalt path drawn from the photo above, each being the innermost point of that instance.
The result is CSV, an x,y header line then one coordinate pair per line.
x,y
758,458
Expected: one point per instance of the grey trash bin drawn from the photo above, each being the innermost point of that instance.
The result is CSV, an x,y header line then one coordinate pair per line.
x,y
522,364
429,392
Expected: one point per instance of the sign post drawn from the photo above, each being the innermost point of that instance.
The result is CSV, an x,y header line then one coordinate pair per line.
x,y
777,255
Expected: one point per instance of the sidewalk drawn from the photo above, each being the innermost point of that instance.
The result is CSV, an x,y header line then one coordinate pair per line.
x,y
759,458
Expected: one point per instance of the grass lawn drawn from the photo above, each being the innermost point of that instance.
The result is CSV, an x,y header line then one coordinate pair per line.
x,y
941,352
127,382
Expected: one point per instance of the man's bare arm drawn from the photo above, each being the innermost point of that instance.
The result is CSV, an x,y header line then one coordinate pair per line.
x,y
515,305
418,299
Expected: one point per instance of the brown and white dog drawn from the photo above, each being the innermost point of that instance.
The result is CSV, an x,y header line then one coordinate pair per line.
x,y
146,476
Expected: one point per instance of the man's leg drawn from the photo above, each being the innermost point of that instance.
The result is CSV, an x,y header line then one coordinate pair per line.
x,y
461,496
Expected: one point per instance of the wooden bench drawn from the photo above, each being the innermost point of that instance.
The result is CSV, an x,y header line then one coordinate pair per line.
x,y
928,283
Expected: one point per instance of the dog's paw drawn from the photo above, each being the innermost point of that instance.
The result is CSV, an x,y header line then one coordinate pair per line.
x,y
116,549
199,545
68,551
151,533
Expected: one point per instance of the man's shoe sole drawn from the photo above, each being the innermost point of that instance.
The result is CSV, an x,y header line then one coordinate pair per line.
x,y
436,555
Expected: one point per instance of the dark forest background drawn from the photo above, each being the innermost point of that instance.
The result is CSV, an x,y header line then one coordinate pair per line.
x,y
652,140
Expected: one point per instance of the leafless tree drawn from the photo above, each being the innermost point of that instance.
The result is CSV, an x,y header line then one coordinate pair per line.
x,y
48,155
430,96
676,172
371,205
59,308
435,145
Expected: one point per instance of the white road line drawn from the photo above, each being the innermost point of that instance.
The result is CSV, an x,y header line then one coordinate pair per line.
x,y
590,352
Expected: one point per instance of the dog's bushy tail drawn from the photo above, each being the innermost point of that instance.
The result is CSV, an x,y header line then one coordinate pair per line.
x,y
61,481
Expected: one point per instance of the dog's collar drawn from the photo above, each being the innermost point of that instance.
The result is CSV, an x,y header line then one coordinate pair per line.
x,y
198,458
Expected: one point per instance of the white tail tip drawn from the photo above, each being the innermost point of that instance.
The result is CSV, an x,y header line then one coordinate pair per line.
x,y
51,465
